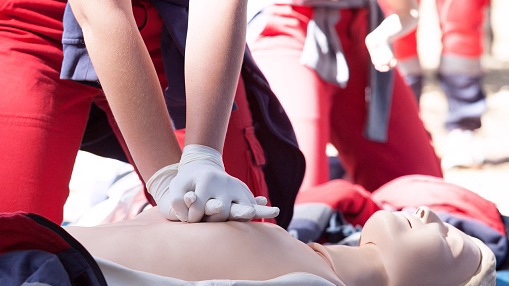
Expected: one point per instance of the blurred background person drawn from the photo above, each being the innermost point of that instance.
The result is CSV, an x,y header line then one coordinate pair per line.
x,y
315,58
460,74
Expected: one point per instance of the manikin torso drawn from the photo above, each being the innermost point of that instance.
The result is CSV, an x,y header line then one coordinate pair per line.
x,y
250,251
395,249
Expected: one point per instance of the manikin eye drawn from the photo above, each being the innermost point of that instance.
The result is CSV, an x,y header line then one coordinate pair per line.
x,y
409,223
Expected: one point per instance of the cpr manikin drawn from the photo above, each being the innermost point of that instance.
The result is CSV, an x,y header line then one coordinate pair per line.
x,y
395,249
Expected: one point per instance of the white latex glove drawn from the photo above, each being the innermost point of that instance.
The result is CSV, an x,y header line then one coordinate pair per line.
x,y
261,209
158,186
237,212
201,171
380,51
392,28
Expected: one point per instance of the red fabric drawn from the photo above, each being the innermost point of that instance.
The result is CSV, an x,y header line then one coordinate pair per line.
x,y
38,250
408,191
18,232
151,26
353,201
415,191
462,24
42,119
406,47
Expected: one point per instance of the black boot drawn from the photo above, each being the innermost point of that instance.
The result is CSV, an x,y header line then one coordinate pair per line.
x,y
416,83
466,100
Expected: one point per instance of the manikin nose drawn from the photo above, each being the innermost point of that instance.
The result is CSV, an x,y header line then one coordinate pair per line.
x,y
422,214
426,215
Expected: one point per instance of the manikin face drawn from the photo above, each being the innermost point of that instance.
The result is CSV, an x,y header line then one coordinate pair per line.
x,y
419,249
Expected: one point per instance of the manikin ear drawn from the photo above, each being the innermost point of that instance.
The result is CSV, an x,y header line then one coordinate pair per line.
x,y
486,273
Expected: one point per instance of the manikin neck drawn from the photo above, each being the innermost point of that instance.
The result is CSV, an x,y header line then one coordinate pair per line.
x,y
361,265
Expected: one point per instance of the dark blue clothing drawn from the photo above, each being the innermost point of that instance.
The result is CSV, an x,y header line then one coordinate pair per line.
x,y
497,242
285,163
466,100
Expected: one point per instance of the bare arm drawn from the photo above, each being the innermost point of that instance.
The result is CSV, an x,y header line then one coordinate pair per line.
x,y
402,18
216,42
214,51
129,81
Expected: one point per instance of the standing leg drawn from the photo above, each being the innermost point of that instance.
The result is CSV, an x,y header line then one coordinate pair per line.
x,y
461,75
408,149
405,50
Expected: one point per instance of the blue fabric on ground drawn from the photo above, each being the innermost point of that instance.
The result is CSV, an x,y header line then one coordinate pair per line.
x,y
503,278
32,266
497,242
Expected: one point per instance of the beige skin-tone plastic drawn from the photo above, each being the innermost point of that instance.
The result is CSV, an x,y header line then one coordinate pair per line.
x,y
409,249
396,249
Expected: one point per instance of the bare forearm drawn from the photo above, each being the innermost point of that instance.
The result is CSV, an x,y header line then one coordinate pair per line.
x,y
214,51
129,81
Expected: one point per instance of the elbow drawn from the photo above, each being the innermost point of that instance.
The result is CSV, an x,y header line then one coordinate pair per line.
x,y
410,20
414,17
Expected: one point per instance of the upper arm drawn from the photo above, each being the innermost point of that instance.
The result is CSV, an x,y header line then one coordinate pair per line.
x,y
398,6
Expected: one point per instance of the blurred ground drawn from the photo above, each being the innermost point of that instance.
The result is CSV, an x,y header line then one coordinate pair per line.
x,y
492,179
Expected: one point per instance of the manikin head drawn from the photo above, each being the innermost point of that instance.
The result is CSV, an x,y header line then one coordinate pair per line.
x,y
420,249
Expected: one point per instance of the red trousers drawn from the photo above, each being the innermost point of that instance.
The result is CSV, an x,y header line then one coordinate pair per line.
x,y
321,112
462,24
42,118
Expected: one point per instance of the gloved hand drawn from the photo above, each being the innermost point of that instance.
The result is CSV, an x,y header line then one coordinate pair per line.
x,y
380,51
201,171
158,187
392,28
